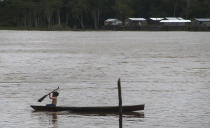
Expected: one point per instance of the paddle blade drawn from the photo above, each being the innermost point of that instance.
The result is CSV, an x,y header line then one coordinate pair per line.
x,y
42,98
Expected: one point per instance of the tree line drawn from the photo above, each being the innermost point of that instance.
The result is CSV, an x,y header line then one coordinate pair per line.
x,y
92,13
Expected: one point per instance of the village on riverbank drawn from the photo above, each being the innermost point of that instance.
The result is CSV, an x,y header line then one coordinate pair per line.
x,y
86,15
137,24
159,24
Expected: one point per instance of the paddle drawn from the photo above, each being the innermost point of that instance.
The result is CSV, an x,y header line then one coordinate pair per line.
x,y
42,98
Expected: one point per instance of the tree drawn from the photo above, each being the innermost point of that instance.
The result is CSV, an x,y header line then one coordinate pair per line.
x,y
123,8
78,9
92,13
52,8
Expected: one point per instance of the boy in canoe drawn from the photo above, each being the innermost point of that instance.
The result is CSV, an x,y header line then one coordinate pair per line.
x,y
54,99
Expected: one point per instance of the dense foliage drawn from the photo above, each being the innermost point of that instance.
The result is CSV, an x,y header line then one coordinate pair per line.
x,y
92,13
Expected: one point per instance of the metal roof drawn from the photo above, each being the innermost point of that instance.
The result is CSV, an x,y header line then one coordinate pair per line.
x,y
137,19
111,20
203,19
175,21
174,18
156,19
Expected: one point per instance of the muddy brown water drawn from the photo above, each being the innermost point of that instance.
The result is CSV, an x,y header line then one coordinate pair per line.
x,y
167,71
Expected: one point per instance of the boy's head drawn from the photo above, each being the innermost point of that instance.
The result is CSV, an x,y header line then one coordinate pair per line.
x,y
55,94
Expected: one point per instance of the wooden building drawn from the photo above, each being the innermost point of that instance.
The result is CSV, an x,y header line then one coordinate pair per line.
x,y
135,22
175,22
201,22
113,22
154,20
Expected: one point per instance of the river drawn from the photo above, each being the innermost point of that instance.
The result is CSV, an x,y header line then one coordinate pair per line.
x,y
169,72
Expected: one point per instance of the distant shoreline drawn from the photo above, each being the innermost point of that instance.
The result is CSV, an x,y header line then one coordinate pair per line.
x,y
100,29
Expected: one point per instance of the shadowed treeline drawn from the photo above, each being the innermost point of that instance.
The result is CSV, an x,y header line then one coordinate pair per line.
x,y
92,13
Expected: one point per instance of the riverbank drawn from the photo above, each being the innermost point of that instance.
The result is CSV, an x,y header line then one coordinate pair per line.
x,y
36,28
110,28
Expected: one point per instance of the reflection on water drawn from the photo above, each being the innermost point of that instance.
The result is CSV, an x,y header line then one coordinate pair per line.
x,y
53,119
54,114
169,72
125,115
51,116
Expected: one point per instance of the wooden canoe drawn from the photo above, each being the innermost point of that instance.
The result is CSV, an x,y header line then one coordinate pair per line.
x,y
102,109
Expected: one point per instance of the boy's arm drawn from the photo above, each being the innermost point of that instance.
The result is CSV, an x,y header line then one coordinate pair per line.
x,y
51,97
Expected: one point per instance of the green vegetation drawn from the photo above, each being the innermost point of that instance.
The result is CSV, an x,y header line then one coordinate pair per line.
x,y
88,14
